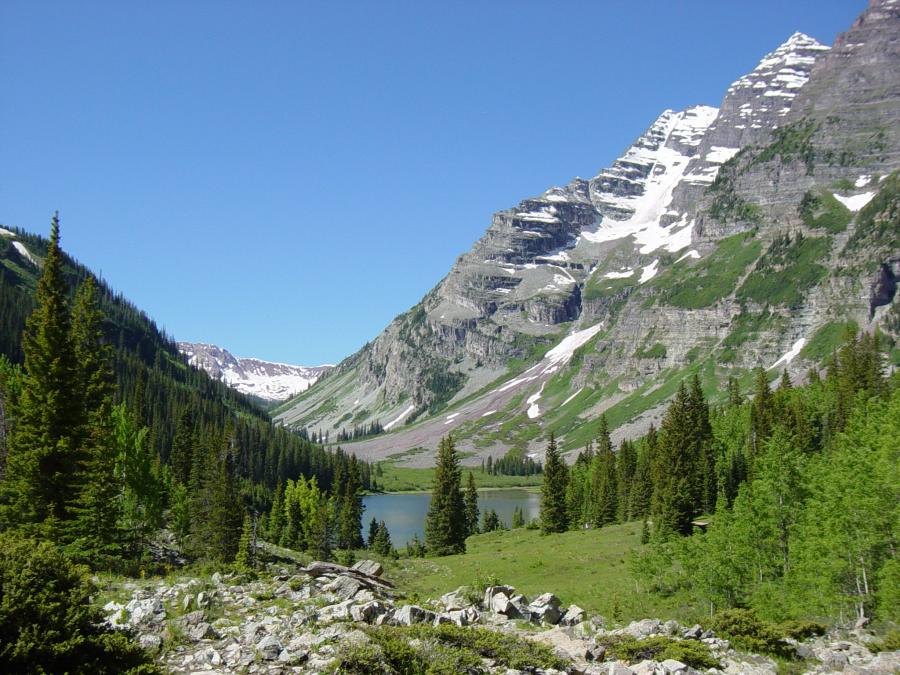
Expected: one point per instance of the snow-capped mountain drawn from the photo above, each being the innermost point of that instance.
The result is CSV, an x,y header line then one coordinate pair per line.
x,y
263,379
665,264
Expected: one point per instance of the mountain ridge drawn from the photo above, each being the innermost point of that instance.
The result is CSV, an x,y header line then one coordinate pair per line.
x,y
668,256
268,380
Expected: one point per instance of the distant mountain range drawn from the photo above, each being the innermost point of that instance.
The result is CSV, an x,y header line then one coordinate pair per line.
x,y
723,238
263,379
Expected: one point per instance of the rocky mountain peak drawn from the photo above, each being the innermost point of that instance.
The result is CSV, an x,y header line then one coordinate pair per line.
x,y
264,379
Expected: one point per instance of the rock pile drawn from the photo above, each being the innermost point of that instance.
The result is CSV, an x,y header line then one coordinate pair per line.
x,y
299,622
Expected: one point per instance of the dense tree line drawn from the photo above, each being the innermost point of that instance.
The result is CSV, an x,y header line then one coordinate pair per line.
x,y
800,484
360,431
513,463
106,435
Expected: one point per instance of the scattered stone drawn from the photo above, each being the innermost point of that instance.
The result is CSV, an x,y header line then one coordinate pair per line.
x,y
203,600
595,653
619,668
411,614
545,609
343,587
202,631
455,600
501,604
673,667
693,633
150,642
368,612
216,578
370,567
147,611
269,648
643,629
573,616
491,591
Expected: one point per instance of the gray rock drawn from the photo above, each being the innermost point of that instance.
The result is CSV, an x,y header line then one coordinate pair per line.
x,y
202,631
193,618
203,599
150,642
338,612
619,668
693,633
671,628
187,602
501,604
545,609
269,648
673,667
455,600
146,611
442,618
573,616
344,587
370,567
644,628
412,614
464,617
368,612
216,578
595,653
491,591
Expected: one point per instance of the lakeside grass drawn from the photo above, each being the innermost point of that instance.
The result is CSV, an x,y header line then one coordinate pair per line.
x,y
586,567
413,479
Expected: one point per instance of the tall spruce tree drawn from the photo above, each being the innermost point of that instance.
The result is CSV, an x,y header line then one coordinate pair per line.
x,y
445,523
471,500
42,457
604,488
554,517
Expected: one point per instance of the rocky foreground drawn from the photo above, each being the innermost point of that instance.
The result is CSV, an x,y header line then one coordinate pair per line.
x,y
309,619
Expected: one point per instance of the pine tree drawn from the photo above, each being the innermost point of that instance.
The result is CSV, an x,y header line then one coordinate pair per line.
x,y
276,515
603,479
383,545
445,523
471,501
245,559
373,532
518,518
491,521
675,503
40,483
553,492
626,463
641,490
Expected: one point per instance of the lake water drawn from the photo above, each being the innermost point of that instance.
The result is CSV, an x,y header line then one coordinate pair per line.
x,y
404,514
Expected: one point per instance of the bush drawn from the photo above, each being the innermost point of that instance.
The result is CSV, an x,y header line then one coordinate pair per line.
x,y
659,648
889,643
440,650
748,632
47,624
800,630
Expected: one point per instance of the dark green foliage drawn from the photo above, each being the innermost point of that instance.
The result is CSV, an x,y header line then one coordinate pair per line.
x,y
659,648
554,514
745,327
445,523
826,340
657,351
471,501
382,544
787,270
889,643
491,521
603,476
798,629
822,211
712,278
748,632
245,559
443,384
47,622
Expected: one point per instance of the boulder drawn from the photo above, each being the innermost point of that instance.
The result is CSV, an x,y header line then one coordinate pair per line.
x,y
216,578
455,600
464,617
619,668
644,628
370,567
147,611
269,648
545,609
367,612
573,616
150,642
411,614
671,628
203,599
673,667
193,618
202,631
693,633
338,612
501,604
491,591
343,587
595,653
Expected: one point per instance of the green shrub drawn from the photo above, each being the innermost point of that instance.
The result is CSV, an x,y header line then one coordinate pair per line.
x,y
889,643
47,623
442,650
823,211
787,270
801,629
747,631
659,648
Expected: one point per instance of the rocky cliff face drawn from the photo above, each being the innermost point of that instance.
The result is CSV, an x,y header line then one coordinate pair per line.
x,y
720,240
263,379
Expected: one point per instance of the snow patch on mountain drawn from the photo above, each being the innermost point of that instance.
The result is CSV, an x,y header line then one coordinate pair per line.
x,y
267,380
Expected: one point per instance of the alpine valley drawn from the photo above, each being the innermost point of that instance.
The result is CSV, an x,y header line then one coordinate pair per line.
x,y
723,238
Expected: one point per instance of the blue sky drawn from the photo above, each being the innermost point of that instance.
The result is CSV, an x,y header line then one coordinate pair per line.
x,y
283,178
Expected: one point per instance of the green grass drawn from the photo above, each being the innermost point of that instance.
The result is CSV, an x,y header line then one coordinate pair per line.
x,y
787,270
657,351
712,278
822,211
586,567
876,222
411,479
827,339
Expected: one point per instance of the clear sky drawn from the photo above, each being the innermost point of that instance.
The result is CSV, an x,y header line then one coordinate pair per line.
x,y
283,178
